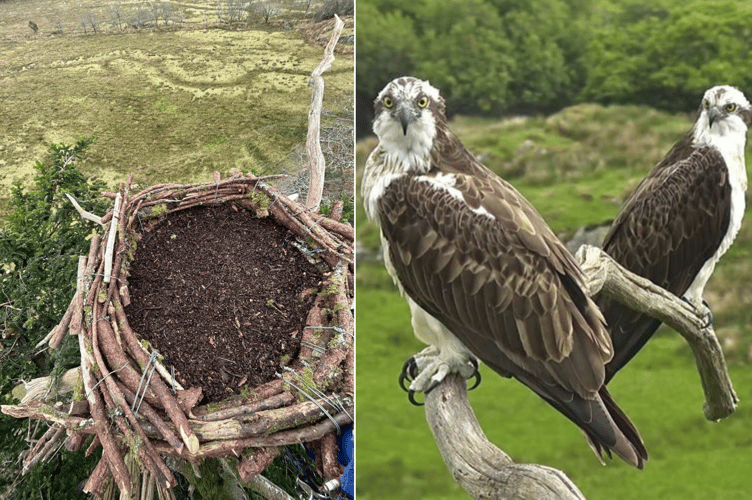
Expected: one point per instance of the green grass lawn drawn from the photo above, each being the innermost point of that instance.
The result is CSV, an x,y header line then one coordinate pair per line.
x,y
168,105
690,458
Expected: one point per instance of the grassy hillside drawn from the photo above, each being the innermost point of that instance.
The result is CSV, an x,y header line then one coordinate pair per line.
x,y
575,167
170,104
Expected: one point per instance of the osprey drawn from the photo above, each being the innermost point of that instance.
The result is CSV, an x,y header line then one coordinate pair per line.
x,y
682,217
484,276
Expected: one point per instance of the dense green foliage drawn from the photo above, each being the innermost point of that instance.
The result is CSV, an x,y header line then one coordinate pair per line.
x,y
39,247
495,56
667,54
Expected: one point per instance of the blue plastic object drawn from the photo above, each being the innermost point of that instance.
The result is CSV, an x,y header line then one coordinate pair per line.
x,y
346,457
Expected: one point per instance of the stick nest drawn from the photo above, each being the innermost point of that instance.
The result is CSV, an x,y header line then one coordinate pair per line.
x,y
307,403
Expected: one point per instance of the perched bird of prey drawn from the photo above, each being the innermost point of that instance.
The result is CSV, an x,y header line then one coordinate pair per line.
x,y
682,217
484,276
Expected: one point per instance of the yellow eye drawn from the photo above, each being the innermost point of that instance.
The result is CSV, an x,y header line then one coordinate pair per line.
x,y
388,102
423,102
730,107
705,104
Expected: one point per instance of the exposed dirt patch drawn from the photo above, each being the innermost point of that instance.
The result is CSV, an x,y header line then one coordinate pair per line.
x,y
222,296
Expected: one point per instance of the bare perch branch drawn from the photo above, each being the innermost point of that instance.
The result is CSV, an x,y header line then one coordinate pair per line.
x,y
316,162
84,214
482,469
605,276
486,472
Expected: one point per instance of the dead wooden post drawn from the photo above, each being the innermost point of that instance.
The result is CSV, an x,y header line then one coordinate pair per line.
x,y
316,161
605,276
484,471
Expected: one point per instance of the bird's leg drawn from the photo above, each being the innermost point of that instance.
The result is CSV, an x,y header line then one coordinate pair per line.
x,y
706,313
429,367
702,309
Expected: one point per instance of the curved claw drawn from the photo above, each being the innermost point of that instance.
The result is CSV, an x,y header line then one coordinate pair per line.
x,y
710,317
476,376
408,373
411,398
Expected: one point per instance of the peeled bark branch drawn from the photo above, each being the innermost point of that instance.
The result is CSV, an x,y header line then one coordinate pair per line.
x,y
605,276
484,471
316,162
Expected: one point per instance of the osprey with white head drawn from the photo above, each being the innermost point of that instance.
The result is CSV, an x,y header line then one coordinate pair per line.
x,y
682,217
484,276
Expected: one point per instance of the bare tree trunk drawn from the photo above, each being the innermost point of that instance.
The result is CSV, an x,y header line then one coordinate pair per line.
x,y
316,161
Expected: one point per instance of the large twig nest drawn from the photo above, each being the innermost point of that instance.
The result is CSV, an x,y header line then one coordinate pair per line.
x,y
305,399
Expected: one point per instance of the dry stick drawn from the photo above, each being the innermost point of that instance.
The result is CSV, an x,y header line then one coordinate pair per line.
x,y
148,455
483,470
101,423
76,305
260,393
41,447
60,327
84,214
342,229
255,464
147,411
270,403
311,334
94,288
329,463
41,411
159,366
127,373
605,276
335,214
74,442
65,322
267,489
98,478
169,404
111,234
331,256
316,161
93,445
223,448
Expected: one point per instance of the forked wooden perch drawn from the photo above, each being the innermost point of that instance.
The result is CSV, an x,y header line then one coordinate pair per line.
x,y
484,471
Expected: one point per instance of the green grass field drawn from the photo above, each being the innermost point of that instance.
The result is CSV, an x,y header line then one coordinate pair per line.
x,y
168,104
690,458
576,167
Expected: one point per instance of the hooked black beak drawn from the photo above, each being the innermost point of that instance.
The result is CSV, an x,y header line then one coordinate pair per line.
x,y
713,115
405,117
404,122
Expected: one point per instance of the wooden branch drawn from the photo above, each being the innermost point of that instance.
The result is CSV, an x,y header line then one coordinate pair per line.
x,y
483,470
76,306
84,214
316,161
111,239
255,464
605,276
267,489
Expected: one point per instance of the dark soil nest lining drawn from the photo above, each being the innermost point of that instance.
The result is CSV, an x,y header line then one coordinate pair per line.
x,y
222,295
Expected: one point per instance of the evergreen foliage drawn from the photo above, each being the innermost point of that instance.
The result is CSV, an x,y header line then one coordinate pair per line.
x,y
40,242
515,56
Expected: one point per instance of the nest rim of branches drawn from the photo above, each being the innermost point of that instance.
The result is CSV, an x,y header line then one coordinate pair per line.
x,y
308,402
